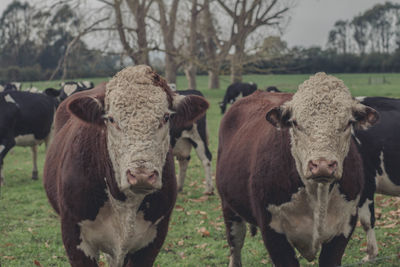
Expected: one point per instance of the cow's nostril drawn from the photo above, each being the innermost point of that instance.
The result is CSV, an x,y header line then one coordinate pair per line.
x,y
312,165
141,176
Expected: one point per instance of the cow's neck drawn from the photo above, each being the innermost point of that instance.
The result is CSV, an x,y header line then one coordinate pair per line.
x,y
320,196
314,215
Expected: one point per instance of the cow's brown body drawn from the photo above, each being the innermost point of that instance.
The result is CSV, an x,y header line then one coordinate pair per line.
x,y
129,224
256,171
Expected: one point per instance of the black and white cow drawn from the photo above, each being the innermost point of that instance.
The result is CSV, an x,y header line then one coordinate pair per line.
x,y
9,86
196,136
273,89
235,90
69,88
379,147
25,120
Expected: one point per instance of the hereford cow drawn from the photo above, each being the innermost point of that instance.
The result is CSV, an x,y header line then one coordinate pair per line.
x,y
298,177
110,173
235,90
195,136
379,147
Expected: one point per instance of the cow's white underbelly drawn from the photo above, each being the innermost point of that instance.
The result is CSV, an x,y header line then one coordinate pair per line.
x,y
308,222
27,140
116,233
383,184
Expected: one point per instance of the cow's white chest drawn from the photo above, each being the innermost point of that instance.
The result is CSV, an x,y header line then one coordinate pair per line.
x,y
27,140
309,221
116,232
383,184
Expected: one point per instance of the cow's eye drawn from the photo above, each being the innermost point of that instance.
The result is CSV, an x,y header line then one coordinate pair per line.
x,y
111,119
166,117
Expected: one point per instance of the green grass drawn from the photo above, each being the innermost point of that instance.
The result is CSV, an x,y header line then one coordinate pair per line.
x,y
30,229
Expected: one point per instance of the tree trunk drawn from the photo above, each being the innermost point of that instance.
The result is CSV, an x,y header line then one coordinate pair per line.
x,y
190,72
170,69
213,79
237,63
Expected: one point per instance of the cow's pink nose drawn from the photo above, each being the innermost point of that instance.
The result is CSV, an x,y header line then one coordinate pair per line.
x,y
322,167
141,176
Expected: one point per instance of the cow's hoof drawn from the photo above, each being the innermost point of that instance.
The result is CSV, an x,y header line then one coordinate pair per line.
x,y
208,193
35,176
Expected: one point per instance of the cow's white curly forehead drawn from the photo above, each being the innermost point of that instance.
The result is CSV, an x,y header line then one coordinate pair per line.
x,y
132,96
321,97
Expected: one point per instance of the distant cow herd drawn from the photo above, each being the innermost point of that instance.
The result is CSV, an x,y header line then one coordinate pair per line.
x,y
302,167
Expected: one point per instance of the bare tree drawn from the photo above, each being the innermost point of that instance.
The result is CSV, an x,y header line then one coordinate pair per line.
x,y
215,48
63,62
247,16
167,24
190,66
139,10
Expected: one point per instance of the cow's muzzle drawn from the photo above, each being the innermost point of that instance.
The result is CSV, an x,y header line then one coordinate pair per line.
x,y
322,170
142,181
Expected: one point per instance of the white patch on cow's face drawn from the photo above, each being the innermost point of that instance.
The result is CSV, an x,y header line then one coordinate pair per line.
x,y
87,84
321,111
360,98
9,99
312,217
2,147
383,183
138,136
69,89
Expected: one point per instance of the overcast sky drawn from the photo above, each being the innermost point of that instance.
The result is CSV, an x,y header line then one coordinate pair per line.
x,y
311,19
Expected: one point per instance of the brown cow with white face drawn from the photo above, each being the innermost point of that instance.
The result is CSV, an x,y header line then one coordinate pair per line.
x,y
300,183
109,172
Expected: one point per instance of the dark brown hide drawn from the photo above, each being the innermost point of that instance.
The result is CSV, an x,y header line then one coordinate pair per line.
x,y
255,168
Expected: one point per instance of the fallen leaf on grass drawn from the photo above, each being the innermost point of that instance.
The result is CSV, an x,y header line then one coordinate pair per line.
x,y
37,263
102,264
200,199
392,225
179,208
203,231
181,242
9,257
182,254
202,246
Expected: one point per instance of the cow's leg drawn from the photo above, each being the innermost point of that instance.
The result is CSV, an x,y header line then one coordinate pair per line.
x,y
205,157
281,252
182,152
79,253
4,148
235,234
183,165
332,252
146,256
367,219
35,175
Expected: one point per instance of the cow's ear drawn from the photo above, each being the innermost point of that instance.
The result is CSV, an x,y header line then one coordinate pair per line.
x,y
52,92
88,108
365,116
279,117
188,109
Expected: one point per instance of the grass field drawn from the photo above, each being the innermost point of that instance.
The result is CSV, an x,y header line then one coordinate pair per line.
x,y
30,229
